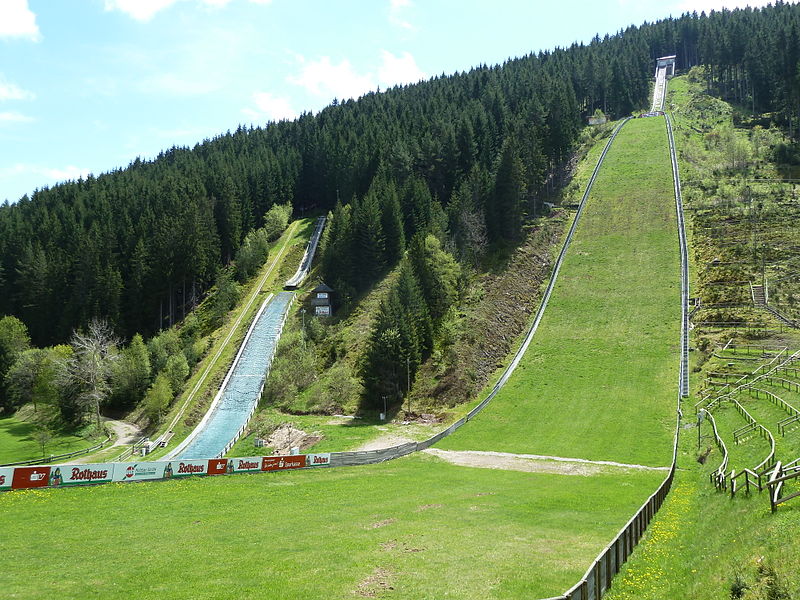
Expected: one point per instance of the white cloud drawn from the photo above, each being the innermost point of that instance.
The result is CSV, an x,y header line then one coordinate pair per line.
x,y
323,78
14,117
399,69
141,10
328,80
17,20
269,107
709,5
396,10
144,10
50,174
10,91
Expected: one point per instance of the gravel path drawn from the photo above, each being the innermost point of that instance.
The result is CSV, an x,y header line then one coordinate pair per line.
x,y
533,463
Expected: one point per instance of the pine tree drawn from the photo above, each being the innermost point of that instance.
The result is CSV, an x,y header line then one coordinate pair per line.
x,y
504,211
392,223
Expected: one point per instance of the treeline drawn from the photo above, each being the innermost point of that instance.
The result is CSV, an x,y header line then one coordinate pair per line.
x,y
140,246
71,384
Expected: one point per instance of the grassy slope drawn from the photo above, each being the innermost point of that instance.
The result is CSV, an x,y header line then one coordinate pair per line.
x,y
701,540
599,379
426,528
17,442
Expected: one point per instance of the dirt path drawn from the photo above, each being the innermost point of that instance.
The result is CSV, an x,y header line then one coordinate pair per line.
x,y
385,441
126,433
533,463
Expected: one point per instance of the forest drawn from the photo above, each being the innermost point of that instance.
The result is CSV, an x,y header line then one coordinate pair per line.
x,y
430,174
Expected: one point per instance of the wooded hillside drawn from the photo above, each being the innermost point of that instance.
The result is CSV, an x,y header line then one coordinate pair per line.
x,y
461,153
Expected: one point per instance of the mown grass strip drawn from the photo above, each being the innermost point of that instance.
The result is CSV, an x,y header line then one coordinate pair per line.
x,y
598,381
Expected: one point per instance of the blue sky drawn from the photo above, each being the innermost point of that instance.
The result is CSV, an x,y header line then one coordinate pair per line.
x,y
86,86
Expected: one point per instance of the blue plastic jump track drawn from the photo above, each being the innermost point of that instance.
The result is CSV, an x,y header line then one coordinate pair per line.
x,y
241,390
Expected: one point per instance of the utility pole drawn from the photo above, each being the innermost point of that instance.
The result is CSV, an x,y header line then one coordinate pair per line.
x,y
408,382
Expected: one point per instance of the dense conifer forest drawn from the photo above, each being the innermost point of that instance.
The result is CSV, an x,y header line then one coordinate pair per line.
x,y
459,158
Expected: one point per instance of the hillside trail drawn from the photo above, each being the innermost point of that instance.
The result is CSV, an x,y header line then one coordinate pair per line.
x,y
125,434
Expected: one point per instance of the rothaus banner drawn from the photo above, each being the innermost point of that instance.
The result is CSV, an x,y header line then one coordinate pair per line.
x,y
64,475
245,464
184,468
30,477
6,477
318,460
139,471
279,463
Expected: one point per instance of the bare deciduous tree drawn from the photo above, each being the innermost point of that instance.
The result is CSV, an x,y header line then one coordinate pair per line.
x,y
89,369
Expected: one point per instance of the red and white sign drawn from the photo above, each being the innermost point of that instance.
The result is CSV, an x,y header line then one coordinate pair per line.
x,y
6,477
184,468
244,464
139,471
318,460
217,466
30,477
279,463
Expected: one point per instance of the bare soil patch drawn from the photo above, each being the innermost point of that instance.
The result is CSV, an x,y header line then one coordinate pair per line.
x,y
287,436
531,463
380,580
380,524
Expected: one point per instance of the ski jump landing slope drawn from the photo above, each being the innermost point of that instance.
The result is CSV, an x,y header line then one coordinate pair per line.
x,y
238,397
308,257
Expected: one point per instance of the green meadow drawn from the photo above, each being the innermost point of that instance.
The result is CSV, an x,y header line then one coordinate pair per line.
x,y
413,528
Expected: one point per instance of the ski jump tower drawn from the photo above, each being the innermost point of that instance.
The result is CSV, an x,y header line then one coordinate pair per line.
x,y
667,63
665,67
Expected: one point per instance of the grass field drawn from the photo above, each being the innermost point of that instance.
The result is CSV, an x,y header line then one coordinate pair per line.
x,y
17,442
600,378
414,528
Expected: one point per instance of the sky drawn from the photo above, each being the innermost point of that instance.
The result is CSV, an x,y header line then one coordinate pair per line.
x,y
87,86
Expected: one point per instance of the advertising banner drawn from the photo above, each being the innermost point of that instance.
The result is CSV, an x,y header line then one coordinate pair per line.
x,y
184,468
139,471
279,463
30,477
244,464
6,477
318,460
81,474
217,466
